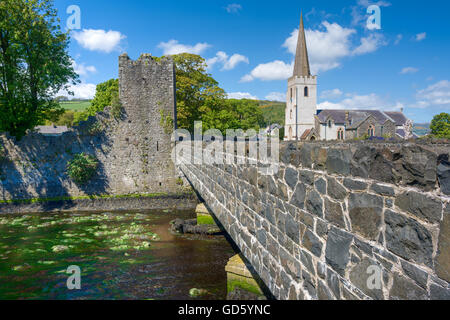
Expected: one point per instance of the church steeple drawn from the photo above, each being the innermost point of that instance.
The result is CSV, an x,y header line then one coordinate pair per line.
x,y
301,67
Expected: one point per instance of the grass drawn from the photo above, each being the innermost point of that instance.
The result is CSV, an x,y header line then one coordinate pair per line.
x,y
93,197
76,105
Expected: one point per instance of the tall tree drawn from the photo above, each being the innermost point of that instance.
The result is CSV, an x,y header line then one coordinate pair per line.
x,y
197,91
440,126
34,64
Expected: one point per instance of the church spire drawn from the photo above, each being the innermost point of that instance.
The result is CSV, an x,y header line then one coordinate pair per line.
x,y
301,67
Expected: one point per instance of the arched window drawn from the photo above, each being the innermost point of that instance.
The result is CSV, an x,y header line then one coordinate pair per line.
x,y
330,124
290,133
340,134
291,95
291,114
306,92
371,131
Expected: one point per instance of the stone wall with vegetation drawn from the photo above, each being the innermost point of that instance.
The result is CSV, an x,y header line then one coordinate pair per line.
x,y
129,153
336,214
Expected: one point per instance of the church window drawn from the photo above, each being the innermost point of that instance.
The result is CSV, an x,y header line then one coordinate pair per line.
x,y
291,114
371,131
291,95
340,134
330,124
306,92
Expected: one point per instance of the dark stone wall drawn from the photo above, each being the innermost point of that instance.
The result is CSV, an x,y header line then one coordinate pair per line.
x,y
336,214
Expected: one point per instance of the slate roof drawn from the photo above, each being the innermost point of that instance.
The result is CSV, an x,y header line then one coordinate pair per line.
x,y
398,117
358,116
51,130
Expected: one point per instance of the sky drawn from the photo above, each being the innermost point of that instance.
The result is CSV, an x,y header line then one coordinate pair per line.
x,y
399,61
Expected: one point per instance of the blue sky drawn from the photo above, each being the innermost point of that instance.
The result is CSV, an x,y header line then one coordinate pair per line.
x,y
249,47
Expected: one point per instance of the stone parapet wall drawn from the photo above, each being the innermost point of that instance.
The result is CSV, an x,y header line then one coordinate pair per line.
x,y
337,215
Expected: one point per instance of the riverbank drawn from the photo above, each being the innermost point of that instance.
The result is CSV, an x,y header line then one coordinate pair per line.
x,y
180,201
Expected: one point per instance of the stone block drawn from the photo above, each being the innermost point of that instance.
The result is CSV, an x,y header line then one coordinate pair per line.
x,y
337,249
365,214
420,205
408,239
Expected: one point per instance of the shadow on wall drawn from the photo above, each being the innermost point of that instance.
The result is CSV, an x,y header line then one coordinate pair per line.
x,y
36,166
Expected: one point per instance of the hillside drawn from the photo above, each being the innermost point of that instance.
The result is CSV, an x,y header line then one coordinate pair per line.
x,y
273,112
76,105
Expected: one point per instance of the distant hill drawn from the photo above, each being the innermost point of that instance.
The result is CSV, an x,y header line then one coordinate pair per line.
x,y
273,112
75,105
421,129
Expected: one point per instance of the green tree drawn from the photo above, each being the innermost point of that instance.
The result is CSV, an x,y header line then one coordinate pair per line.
x,y
34,64
104,96
197,91
440,126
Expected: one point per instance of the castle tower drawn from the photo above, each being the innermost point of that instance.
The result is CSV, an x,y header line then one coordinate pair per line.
x,y
147,94
301,106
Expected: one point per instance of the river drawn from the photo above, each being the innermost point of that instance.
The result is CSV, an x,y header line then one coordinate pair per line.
x,y
122,255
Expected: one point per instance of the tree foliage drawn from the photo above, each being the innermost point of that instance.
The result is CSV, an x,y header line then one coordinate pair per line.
x,y
440,126
105,94
199,98
82,168
34,64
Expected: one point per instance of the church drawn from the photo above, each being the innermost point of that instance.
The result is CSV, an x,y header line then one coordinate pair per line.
x,y
305,122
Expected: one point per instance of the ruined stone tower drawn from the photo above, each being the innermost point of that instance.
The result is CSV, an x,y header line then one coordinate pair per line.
x,y
147,94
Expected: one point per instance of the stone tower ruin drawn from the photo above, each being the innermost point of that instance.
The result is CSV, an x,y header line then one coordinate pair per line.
x,y
147,94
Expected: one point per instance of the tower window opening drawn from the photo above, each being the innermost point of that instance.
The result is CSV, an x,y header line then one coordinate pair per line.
x,y
306,92
157,145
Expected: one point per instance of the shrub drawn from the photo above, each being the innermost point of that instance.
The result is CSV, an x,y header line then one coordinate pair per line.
x,y
116,106
2,153
82,167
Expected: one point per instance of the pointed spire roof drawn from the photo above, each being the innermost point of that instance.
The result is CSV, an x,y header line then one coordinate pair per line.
x,y
301,67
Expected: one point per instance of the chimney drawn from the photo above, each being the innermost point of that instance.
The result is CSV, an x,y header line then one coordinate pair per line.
x,y
347,118
401,110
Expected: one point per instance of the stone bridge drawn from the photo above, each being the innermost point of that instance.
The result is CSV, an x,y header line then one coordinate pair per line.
x,y
360,220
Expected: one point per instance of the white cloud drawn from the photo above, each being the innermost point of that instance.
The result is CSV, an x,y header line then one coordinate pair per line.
x,y
233,8
241,95
99,40
228,63
435,95
421,36
331,94
81,91
369,44
367,102
174,47
275,70
408,70
82,69
276,96
398,39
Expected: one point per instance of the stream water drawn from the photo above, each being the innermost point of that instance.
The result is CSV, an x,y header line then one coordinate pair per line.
x,y
121,256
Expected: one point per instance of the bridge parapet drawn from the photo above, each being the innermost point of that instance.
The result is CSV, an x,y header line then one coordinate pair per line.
x,y
339,221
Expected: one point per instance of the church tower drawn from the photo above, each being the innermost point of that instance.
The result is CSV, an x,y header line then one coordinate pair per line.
x,y
301,106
